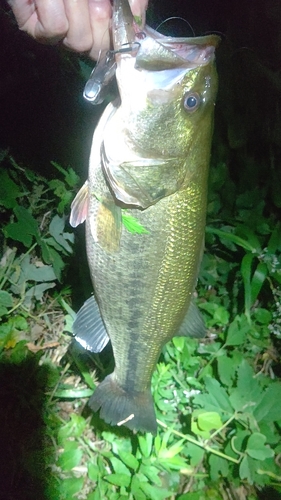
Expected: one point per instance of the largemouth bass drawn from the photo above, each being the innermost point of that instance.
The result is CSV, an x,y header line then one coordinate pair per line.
x,y
145,204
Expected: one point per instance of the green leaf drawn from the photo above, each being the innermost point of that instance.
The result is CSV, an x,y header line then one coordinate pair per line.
x,y
119,479
137,492
237,331
270,432
73,393
37,292
69,459
118,466
154,492
145,444
25,229
74,428
9,191
58,187
19,323
231,237
216,398
56,228
39,273
252,284
151,472
70,486
172,451
174,463
132,224
128,459
274,243
209,421
93,471
65,201
246,271
95,495
195,453
219,467
136,488
51,256
109,437
70,445
266,408
258,280
81,365
192,496
18,353
202,423
3,310
71,177
6,299
69,174
248,392
263,316
246,470
250,235
221,316
226,369
256,447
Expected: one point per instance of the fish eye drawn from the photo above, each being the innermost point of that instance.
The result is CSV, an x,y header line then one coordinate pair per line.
x,y
191,101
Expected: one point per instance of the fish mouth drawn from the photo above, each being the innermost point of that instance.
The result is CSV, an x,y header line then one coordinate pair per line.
x,y
154,51
146,49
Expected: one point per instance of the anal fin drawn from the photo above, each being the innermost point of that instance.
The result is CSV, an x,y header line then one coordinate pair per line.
x,y
193,324
88,327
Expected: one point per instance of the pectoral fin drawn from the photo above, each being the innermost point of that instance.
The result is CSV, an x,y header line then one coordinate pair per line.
x,y
106,226
193,324
88,327
79,206
142,183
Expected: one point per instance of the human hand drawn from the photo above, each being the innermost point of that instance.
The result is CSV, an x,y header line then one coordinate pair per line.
x,y
82,25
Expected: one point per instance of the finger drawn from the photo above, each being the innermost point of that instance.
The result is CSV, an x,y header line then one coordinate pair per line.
x,y
79,36
138,9
42,19
23,10
100,16
52,23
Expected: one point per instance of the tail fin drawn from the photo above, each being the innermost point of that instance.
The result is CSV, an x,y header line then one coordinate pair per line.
x,y
135,410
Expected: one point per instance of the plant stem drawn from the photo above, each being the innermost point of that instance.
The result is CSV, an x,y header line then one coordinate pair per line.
x,y
200,444
234,416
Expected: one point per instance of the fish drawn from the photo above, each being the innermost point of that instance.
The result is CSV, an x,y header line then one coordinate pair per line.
x,y
144,204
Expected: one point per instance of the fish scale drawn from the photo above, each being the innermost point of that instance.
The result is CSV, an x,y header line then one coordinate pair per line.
x,y
149,157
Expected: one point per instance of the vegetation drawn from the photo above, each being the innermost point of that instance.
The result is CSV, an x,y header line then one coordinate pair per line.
x,y
217,400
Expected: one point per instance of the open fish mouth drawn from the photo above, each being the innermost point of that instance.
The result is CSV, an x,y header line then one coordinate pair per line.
x,y
149,50
153,50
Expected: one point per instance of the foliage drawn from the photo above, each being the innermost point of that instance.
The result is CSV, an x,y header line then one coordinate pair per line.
x,y
34,246
219,424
